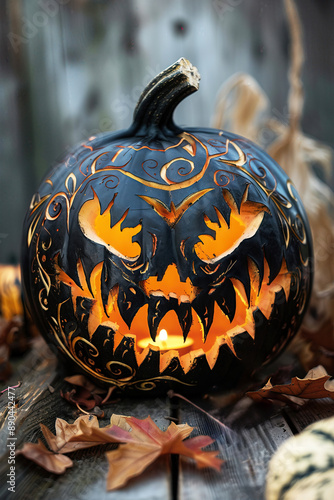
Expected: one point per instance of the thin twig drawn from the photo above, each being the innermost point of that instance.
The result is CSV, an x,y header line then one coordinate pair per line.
x,y
109,393
172,394
81,409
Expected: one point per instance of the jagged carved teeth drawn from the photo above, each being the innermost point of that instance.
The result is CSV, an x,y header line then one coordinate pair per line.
x,y
225,296
159,305
204,305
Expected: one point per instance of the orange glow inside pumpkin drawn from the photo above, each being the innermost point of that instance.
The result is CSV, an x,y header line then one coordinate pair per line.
x,y
171,285
244,223
167,342
97,227
221,331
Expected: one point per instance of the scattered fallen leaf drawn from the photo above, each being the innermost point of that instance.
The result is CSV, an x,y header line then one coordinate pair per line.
x,y
80,398
65,431
5,366
316,384
13,339
141,443
85,432
150,442
85,393
52,462
101,435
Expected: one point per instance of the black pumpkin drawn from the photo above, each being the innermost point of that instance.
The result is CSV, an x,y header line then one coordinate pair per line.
x,y
196,232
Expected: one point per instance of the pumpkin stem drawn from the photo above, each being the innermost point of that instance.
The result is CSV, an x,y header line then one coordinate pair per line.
x,y
153,115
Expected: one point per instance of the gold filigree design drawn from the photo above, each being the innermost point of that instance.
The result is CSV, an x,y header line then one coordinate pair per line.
x,y
168,185
279,201
174,213
70,183
35,206
67,345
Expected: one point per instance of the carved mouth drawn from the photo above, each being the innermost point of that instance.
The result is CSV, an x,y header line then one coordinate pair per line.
x,y
169,294
208,318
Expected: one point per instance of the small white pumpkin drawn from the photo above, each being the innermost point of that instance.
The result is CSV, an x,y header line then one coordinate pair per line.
x,y
303,467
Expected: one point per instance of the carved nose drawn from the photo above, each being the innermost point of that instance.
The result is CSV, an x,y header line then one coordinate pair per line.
x,y
170,285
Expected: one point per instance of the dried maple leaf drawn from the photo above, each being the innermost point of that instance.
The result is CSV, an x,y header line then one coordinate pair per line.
x,y
148,443
141,442
52,462
83,433
65,431
316,384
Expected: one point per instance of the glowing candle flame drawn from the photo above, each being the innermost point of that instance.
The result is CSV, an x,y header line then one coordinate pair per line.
x,y
167,342
163,335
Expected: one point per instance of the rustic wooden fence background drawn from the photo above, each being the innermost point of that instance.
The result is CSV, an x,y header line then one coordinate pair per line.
x,y
72,68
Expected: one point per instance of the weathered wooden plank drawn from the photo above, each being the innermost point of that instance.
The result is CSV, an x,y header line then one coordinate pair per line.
x,y
247,444
311,412
87,479
40,367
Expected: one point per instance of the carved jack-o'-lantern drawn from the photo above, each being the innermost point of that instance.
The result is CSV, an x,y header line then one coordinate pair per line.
x,y
159,257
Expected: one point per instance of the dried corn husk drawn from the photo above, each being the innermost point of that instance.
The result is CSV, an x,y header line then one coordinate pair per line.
x,y
240,106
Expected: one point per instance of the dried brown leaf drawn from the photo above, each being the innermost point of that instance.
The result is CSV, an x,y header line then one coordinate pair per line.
x,y
128,462
52,462
150,442
100,435
85,432
82,381
141,443
81,398
316,384
85,393
65,432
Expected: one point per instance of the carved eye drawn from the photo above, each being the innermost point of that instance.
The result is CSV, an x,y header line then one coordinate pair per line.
x,y
96,226
244,223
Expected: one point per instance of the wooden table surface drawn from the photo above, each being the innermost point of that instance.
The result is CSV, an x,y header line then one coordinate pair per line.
x,y
250,435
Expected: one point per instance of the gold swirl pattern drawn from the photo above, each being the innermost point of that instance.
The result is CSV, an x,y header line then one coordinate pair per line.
x,y
117,369
296,227
144,385
43,274
67,346
70,183
191,143
57,208
165,168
